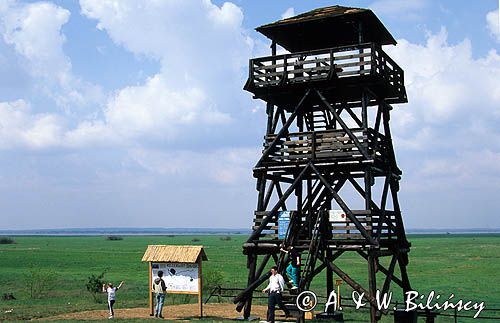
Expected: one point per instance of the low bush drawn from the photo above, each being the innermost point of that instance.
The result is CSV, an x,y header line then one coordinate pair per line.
x,y
39,281
6,240
94,286
114,238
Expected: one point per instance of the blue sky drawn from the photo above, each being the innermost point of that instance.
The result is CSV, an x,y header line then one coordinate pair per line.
x,y
133,114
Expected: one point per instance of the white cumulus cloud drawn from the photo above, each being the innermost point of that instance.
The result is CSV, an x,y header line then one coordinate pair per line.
x,y
290,12
202,49
448,89
20,127
34,30
493,23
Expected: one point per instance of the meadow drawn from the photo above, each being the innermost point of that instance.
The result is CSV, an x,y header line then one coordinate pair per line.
x,y
465,265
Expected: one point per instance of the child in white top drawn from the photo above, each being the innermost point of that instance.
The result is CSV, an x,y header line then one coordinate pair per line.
x,y
111,291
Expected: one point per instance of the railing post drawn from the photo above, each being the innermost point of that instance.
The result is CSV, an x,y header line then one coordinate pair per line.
x,y
361,59
373,63
313,148
331,72
285,69
250,70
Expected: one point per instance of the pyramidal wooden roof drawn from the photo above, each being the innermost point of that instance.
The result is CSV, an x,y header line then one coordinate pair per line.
x,y
327,27
170,253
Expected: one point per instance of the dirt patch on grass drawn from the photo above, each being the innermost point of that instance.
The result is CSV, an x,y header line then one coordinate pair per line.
x,y
170,312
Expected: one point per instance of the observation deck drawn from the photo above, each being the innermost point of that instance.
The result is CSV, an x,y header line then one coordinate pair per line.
x,y
344,71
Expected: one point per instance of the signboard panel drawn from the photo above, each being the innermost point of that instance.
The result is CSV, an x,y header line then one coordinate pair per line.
x,y
337,216
177,276
283,222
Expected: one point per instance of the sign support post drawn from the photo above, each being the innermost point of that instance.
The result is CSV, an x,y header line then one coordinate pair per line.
x,y
200,288
151,303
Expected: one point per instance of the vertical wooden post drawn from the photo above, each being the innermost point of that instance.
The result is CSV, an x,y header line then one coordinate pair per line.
x,y
200,287
251,264
329,274
151,306
372,283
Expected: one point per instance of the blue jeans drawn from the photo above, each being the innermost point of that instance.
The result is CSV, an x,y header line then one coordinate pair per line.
x,y
293,273
160,299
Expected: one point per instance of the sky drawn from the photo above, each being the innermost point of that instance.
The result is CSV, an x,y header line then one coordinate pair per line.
x,y
132,113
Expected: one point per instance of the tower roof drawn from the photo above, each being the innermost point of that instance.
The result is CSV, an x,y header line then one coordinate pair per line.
x,y
327,27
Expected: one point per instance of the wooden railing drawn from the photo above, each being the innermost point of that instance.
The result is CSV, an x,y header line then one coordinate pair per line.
x,y
326,145
325,64
343,231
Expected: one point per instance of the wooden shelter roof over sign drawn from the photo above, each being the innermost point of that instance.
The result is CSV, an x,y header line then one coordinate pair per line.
x,y
178,254
327,27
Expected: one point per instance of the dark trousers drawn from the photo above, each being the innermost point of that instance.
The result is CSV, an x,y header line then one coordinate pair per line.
x,y
110,307
274,298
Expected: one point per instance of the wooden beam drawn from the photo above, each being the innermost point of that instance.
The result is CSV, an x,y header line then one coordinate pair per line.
x,y
390,273
345,208
200,287
353,116
282,200
244,294
283,130
151,303
280,194
268,195
382,206
383,270
351,282
372,283
373,205
341,122
251,264
278,178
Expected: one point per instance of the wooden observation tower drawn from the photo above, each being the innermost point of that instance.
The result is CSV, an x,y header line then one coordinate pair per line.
x,y
328,157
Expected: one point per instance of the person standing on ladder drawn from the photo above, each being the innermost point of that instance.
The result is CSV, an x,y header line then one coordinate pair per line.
x,y
293,269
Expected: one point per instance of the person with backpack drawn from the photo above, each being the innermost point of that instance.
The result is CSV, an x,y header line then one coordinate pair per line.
x,y
160,289
111,291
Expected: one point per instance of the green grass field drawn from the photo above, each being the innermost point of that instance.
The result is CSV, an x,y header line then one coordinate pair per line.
x,y
466,265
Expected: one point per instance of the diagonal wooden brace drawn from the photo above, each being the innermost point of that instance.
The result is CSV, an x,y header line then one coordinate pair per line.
x,y
282,130
385,271
361,149
373,205
351,282
345,208
282,200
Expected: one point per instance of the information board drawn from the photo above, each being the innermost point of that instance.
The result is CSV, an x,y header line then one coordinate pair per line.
x,y
177,276
337,216
283,223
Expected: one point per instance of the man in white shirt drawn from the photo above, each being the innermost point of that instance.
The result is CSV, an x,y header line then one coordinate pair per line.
x,y
275,288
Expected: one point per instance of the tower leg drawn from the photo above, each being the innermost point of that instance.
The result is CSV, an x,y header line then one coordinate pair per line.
x,y
404,275
252,264
372,283
329,275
